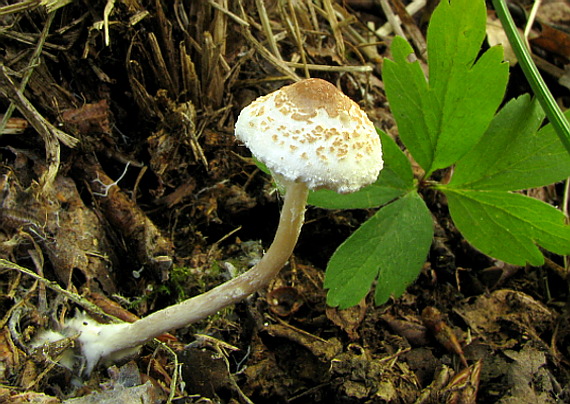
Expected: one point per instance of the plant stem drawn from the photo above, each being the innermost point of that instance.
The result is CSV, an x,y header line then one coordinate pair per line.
x,y
553,112
110,338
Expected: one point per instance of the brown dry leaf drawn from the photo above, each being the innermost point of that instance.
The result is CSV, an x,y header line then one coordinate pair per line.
x,y
496,36
70,234
90,118
349,319
78,241
125,387
496,318
529,380
552,40
142,394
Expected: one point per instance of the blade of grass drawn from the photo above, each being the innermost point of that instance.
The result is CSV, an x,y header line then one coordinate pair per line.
x,y
553,112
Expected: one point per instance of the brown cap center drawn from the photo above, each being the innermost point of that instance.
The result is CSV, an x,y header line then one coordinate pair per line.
x,y
307,96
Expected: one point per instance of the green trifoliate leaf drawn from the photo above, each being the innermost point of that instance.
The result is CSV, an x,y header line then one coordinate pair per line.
x,y
391,247
513,154
441,119
395,179
508,226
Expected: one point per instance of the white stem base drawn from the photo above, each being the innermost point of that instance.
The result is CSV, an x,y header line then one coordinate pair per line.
x,y
102,340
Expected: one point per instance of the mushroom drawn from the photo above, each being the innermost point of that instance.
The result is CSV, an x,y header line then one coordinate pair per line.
x,y
310,136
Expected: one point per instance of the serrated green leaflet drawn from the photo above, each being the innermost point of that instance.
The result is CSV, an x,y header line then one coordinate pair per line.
x,y
512,155
396,178
508,226
441,120
408,94
391,246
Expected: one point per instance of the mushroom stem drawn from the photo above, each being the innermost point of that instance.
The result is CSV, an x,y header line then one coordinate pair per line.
x,y
112,338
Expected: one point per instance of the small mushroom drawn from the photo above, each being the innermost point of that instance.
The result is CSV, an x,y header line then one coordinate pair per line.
x,y
311,136
311,133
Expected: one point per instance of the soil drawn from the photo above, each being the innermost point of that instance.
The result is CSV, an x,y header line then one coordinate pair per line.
x,y
123,191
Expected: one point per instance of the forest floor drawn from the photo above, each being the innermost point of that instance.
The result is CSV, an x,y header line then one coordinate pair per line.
x,y
123,190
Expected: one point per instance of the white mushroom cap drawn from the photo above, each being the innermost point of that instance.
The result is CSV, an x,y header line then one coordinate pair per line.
x,y
311,132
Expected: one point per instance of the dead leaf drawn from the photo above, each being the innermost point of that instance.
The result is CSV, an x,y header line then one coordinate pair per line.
x,y
552,40
141,394
528,377
92,118
500,316
348,319
496,36
77,240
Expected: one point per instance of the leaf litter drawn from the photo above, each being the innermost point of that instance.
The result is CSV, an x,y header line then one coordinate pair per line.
x,y
123,190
